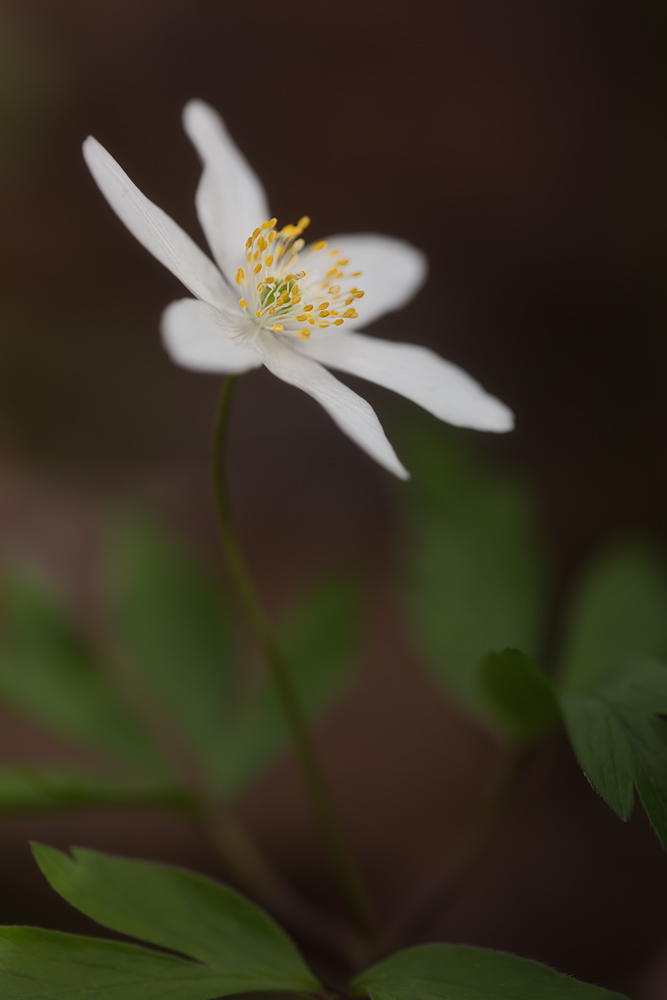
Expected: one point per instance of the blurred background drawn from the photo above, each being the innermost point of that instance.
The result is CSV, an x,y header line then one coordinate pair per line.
x,y
522,146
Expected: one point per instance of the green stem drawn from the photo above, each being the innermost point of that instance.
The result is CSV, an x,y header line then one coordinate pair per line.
x,y
316,784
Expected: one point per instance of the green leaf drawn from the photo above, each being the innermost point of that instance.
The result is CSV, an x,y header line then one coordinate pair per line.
x,y
523,694
232,945
172,623
476,572
618,615
455,972
620,742
49,674
45,965
29,789
319,641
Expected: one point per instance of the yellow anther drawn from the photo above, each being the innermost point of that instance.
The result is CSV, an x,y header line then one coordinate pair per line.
x,y
350,314
243,303
342,263
265,225
323,324
272,235
255,256
336,250
311,320
240,276
324,312
270,278
301,319
248,256
262,244
360,295
296,299
256,233
298,245
337,322
259,313
298,275
353,289
334,290
333,273
269,262
304,222
278,328
304,334
258,268
260,287
289,277
295,288
307,308
271,223
272,311
348,301
333,313
281,250
323,305
320,245
357,274
248,243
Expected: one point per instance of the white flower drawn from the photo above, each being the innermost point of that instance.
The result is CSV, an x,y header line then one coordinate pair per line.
x,y
293,307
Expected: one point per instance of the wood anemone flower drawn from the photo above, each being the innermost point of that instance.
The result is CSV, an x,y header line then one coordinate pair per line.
x,y
295,307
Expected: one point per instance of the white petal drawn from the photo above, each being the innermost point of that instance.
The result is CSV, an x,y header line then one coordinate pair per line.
x,y
197,336
416,372
231,201
154,228
354,415
392,271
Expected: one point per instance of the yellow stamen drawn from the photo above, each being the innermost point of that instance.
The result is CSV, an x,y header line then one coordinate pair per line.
x,y
324,312
269,262
323,324
296,299
270,277
304,334
272,235
320,245
342,263
258,268
240,276
337,322
278,328
259,313
301,319
262,244
272,311
323,305
307,308
243,303
248,243
334,290
357,274
260,287
304,222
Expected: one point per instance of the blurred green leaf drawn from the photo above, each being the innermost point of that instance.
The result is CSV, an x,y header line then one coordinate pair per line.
x,y
618,614
172,623
523,694
476,572
319,640
38,789
620,741
234,946
456,972
48,674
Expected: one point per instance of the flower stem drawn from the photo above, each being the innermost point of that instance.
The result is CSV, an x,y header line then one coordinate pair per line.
x,y
315,781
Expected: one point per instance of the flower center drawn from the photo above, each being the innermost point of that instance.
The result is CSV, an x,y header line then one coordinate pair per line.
x,y
291,290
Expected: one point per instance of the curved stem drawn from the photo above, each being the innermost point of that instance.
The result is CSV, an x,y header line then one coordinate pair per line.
x,y
316,784
447,885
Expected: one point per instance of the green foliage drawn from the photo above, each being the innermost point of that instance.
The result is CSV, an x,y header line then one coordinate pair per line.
x,y
231,946
455,972
475,566
38,789
49,674
523,694
172,625
612,687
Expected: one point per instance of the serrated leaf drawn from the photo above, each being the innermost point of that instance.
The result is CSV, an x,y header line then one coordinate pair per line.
x,y
476,573
232,945
319,642
49,674
522,693
32,789
172,623
618,614
456,972
620,742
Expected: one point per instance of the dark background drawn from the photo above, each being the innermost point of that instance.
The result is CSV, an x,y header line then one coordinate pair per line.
x,y
522,146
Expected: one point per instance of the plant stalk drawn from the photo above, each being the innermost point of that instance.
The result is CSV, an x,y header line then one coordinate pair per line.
x,y
315,781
